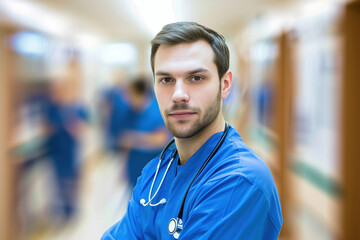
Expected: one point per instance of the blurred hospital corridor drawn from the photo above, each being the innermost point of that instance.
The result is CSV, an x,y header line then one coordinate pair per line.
x,y
79,118
102,202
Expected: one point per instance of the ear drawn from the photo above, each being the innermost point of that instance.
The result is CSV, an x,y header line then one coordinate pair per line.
x,y
226,84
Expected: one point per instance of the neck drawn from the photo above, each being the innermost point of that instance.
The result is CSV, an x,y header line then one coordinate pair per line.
x,y
188,146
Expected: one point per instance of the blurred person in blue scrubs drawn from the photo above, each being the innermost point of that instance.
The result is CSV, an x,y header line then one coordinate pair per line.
x,y
206,184
112,109
66,117
135,126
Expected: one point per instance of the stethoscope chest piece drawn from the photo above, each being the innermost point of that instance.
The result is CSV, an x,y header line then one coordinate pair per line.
x,y
175,226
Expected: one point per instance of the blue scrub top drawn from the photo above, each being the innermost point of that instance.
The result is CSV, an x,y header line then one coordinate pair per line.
x,y
117,120
234,197
148,120
124,117
61,145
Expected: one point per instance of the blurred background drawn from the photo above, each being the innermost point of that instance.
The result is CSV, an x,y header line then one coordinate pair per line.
x,y
78,118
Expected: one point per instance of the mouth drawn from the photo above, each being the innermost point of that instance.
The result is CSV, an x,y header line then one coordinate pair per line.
x,y
182,114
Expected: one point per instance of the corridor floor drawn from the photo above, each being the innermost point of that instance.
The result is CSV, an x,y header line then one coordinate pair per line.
x,y
104,194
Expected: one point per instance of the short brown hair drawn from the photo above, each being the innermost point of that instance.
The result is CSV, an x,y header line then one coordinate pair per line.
x,y
189,32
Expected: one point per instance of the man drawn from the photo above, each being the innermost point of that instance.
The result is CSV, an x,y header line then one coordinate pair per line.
x,y
230,195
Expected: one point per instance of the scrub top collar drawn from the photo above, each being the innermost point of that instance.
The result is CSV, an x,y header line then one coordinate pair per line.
x,y
197,159
184,174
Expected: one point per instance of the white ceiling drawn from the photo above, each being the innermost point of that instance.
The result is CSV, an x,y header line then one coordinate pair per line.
x,y
116,19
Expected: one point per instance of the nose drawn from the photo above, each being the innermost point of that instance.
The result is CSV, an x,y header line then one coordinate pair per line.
x,y
180,92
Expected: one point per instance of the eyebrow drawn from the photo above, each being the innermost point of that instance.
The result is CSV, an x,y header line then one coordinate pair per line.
x,y
197,70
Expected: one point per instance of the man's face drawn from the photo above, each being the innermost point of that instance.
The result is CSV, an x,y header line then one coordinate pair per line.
x,y
187,87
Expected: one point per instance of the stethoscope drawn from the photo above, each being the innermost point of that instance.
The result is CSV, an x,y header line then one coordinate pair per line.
x,y
175,225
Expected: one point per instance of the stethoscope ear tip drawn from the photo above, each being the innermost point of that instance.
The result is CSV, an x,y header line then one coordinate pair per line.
x,y
142,202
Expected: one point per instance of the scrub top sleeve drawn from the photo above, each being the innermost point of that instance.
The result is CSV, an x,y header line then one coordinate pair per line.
x,y
128,228
229,208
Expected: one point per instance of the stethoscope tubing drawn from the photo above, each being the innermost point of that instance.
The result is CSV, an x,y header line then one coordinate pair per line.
x,y
162,201
211,155
178,221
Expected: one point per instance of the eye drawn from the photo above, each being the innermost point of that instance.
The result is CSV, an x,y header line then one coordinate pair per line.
x,y
166,80
196,78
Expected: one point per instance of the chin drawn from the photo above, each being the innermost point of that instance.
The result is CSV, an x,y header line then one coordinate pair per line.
x,y
187,131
